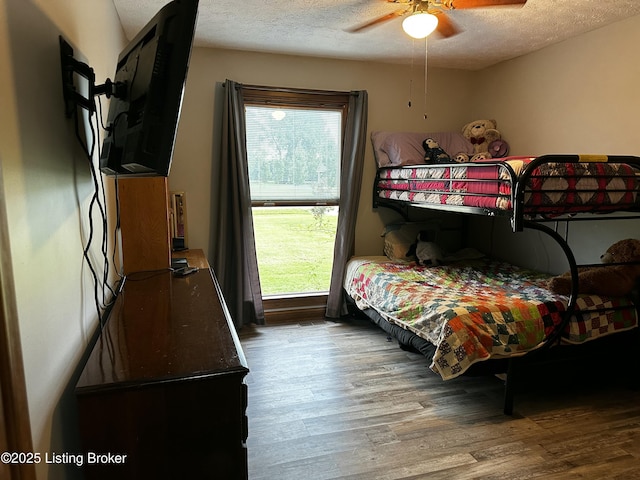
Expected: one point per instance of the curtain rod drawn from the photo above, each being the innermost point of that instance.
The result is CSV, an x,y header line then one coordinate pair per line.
x,y
261,88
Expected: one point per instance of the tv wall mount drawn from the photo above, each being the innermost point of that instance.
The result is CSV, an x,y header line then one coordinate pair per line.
x,y
72,96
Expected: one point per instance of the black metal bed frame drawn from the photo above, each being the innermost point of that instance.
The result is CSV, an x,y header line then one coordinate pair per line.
x,y
525,217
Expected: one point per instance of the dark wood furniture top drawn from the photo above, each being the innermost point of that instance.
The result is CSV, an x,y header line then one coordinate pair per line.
x,y
164,383
195,257
156,333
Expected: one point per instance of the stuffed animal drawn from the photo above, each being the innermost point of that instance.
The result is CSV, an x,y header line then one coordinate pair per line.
x,y
608,280
461,158
480,156
481,133
498,148
427,253
433,153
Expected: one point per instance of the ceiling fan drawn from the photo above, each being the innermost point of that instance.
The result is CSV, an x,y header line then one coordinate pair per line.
x,y
425,16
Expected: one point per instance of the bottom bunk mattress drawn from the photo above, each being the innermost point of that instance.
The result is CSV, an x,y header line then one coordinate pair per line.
x,y
479,309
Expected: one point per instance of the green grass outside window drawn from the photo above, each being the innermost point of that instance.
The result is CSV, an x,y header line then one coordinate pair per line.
x,y
295,248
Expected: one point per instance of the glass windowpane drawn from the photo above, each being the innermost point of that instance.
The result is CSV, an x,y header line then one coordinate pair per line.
x,y
294,154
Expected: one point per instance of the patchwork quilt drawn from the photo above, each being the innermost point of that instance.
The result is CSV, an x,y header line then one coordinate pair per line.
x,y
476,310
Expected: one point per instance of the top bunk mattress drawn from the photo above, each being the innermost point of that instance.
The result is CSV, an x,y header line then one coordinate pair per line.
x,y
574,185
524,185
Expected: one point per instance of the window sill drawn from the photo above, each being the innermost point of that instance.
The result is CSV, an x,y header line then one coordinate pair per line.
x,y
291,308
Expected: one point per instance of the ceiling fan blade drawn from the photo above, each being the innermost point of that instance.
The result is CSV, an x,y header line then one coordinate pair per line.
x,y
378,21
460,4
446,28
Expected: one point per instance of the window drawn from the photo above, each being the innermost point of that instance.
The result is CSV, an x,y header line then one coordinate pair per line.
x,y
293,155
294,144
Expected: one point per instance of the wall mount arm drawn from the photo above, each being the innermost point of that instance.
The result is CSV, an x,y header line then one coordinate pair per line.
x,y
72,97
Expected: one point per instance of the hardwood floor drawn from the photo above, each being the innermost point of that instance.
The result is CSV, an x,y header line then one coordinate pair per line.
x,y
339,401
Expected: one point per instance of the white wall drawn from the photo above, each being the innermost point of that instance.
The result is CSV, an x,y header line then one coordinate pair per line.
x,y
579,96
388,88
47,187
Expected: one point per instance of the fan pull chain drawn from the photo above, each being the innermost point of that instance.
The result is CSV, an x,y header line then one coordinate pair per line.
x,y
425,76
413,43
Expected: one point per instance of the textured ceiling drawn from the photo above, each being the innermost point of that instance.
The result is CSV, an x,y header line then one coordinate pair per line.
x,y
318,28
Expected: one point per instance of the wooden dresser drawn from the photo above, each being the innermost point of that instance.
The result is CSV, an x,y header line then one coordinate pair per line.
x,y
164,384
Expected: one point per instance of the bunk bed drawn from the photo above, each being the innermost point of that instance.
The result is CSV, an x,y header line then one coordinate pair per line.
x,y
476,314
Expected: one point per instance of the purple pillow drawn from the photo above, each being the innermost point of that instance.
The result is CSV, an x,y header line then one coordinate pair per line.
x,y
405,148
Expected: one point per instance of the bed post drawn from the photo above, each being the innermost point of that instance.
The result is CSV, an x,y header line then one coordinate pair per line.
x,y
510,381
573,268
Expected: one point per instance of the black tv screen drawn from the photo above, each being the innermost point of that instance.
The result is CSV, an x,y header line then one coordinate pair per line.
x,y
149,84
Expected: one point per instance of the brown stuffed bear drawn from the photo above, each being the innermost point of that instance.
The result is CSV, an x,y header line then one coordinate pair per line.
x,y
481,133
609,280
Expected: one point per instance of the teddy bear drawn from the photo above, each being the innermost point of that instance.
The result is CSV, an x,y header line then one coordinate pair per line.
x,y
433,152
609,280
427,253
481,133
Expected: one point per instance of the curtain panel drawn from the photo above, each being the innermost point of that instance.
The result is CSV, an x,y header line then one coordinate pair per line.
x,y
355,140
233,240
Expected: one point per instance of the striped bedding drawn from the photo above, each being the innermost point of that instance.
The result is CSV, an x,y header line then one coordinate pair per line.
x,y
476,310
553,188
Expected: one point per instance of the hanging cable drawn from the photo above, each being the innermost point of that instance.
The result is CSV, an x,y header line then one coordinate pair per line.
x,y
426,75
117,201
101,283
101,202
88,151
413,43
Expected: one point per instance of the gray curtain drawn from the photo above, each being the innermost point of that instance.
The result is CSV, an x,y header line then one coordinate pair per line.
x,y
350,182
233,242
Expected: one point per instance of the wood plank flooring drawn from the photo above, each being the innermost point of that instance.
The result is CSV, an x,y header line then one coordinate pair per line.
x,y
339,401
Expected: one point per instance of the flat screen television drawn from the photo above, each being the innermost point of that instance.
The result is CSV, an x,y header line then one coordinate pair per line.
x,y
147,94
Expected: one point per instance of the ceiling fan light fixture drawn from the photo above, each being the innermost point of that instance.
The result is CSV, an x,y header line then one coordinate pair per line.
x,y
420,24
